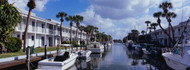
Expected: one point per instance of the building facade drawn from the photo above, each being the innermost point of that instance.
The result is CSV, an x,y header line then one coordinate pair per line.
x,y
43,32
162,38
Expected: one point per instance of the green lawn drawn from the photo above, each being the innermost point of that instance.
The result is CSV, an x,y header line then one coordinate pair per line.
x,y
37,50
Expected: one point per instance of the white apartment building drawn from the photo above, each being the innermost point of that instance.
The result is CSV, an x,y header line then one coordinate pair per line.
x,y
43,32
178,29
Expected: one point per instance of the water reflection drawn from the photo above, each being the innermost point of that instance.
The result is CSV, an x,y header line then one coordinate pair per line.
x,y
121,58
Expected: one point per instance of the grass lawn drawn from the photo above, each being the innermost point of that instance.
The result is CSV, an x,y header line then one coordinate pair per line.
x,y
37,50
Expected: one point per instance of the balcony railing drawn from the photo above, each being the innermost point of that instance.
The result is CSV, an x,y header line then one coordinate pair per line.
x,y
50,31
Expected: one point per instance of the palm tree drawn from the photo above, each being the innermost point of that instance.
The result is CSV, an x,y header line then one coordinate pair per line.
x,y
77,20
170,15
31,5
142,32
165,6
81,28
71,19
150,28
147,24
61,15
154,25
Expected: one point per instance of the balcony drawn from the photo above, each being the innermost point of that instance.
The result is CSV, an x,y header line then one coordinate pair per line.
x,y
50,31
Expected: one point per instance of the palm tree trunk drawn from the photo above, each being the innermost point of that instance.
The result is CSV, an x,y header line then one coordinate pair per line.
x,y
146,28
76,38
4,50
170,25
70,34
164,30
61,32
81,36
26,30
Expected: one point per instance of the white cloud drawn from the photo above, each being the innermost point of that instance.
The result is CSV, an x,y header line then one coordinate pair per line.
x,y
119,17
119,9
22,4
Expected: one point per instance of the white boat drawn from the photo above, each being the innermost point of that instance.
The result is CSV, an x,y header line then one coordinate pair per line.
x,y
179,57
95,47
58,63
85,54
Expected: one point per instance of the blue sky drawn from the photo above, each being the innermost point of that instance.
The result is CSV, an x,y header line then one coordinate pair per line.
x,y
116,17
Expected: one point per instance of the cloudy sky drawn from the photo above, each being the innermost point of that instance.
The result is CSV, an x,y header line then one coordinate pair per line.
x,y
114,17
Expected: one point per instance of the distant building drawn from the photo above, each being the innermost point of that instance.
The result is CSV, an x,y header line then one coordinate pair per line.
x,y
163,39
43,32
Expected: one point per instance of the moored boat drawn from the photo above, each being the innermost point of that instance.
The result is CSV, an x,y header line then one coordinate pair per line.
x,y
60,62
179,57
95,47
84,54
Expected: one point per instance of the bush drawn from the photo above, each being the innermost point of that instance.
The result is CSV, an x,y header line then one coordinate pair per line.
x,y
14,44
75,44
65,42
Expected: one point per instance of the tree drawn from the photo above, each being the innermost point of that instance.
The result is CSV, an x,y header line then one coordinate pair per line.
x,y
77,20
71,19
89,29
142,32
154,25
81,28
147,24
61,15
31,5
165,6
9,19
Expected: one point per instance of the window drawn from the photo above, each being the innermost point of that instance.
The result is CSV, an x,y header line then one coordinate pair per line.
x,y
43,25
18,36
32,37
33,23
22,37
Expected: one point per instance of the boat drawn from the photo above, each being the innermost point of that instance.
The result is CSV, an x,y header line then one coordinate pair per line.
x,y
60,62
179,57
84,54
145,51
95,47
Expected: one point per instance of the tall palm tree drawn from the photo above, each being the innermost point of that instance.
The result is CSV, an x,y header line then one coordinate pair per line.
x,y
31,5
71,19
154,25
165,6
81,28
61,15
170,15
142,32
147,24
77,20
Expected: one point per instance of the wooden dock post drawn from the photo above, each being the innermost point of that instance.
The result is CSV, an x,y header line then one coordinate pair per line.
x,y
28,58
45,51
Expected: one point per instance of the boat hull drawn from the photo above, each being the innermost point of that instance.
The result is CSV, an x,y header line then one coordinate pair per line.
x,y
49,65
174,64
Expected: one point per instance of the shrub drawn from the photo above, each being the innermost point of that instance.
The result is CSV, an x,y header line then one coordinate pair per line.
x,y
65,42
74,43
14,44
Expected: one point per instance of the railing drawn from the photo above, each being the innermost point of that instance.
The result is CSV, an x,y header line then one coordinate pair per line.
x,y
50,31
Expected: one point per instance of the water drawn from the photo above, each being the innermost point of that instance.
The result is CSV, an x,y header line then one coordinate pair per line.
x,y
117,57
120,58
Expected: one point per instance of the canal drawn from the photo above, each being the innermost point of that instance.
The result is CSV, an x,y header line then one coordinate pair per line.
x,y
117,57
